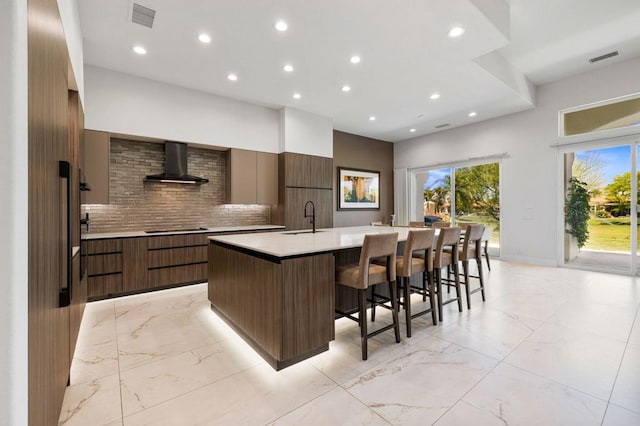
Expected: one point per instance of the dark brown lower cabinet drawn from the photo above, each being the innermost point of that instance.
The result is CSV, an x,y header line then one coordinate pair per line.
x,y
134,264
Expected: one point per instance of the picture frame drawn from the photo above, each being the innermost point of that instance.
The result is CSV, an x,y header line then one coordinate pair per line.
x,y
358,189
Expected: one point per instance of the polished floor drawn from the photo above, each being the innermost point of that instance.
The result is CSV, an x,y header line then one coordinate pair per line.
x,y
550,346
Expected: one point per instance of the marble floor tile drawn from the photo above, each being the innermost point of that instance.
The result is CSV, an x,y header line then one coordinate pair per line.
x,y
159,381
159,342
511,396
419,386
536,305
603,320
94,403
333,408
626,392
258,395
618,416
488,331
96,353
634,337
575,358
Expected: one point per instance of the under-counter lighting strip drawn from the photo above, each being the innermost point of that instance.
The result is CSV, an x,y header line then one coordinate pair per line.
x,y
178,181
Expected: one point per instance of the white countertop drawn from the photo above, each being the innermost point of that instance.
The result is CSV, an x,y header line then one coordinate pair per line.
x,y
220,229
285,244
75,250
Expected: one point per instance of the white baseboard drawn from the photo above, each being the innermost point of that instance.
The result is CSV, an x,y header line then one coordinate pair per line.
x,y
530,260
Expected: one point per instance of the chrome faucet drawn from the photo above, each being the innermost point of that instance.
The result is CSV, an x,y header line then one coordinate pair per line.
x,y
312,215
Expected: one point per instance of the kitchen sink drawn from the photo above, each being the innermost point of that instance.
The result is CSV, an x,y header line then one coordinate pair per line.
x,y
308,231
177,230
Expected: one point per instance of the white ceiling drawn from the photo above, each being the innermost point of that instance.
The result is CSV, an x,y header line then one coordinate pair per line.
x,y
406,53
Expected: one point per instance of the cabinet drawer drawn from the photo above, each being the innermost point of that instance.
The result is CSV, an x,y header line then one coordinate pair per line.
x,y
104,285
100,264
177,241
177,275
177,256
104,246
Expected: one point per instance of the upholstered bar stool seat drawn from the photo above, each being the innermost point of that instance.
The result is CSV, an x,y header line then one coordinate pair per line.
x,y
366,274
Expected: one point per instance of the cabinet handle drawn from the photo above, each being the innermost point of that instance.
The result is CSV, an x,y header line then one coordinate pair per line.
x,y
65,292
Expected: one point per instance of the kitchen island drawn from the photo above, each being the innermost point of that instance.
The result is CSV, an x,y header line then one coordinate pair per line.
x,y
277,290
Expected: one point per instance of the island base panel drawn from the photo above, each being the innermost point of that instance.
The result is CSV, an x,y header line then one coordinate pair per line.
x,y
284,310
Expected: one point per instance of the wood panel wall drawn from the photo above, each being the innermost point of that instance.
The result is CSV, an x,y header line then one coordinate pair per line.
x,y
303,178
48,101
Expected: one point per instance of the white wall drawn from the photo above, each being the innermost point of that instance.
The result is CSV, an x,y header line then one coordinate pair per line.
x,y
121,103
73,34
529,177
305,133
13,217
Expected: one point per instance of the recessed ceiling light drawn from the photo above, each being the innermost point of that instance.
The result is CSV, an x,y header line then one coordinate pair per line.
x,y
412,130
140,50
372,118
421,116
297,96
281,26
205,38
355,59
456,32
435,96
472,114
288,68
232,77
346,88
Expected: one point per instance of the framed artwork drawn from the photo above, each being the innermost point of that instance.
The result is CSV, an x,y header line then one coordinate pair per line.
x,y
358,189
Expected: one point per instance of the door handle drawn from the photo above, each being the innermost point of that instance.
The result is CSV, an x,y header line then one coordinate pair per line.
x,y
65,292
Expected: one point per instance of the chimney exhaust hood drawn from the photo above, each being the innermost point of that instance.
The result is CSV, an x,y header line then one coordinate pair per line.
x,y
175,166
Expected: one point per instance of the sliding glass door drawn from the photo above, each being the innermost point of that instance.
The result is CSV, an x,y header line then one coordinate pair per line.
x,y
459,194
601,207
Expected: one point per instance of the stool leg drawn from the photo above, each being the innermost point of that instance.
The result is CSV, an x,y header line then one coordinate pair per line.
x,y
432,298
486,254
465,268
407,302
438,279
449,278
424,286
394,309
479,262
457,281
373,305
362,308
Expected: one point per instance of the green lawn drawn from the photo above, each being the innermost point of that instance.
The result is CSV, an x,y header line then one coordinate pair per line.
x,y
474,218
612,234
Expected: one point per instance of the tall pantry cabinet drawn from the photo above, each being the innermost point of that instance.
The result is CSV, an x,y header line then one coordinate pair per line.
x,y
55,290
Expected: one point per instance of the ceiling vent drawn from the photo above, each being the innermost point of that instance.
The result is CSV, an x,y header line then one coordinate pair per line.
x,y
143,15
442,126
603,57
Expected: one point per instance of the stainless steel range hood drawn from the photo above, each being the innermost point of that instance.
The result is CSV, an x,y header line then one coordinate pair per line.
x,y
175,166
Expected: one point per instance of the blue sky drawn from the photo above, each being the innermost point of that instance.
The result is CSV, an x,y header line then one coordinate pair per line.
x,y
434,177
617,160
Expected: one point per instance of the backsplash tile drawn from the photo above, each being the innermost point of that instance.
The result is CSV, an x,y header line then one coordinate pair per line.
x,y
137,205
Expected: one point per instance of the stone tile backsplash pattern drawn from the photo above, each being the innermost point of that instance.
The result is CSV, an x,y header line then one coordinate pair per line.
x,y
137,205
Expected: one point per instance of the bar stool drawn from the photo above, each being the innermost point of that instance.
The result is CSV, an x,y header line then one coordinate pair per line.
x,y
417,257
449,238
471,249
366,274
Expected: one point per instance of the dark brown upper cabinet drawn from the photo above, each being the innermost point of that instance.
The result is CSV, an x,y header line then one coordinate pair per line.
x,y
96,166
